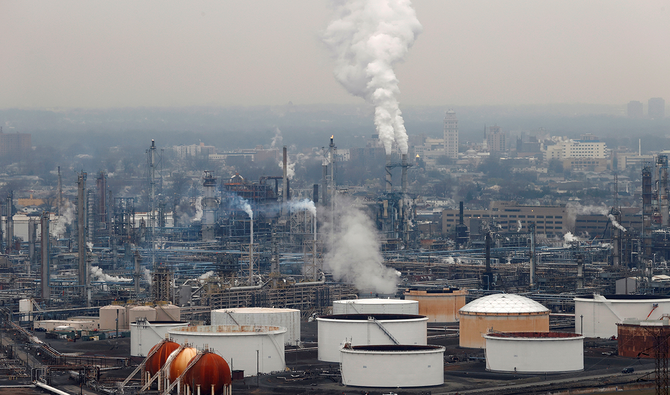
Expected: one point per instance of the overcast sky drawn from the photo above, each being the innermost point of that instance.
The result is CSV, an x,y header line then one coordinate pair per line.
x,y
191,53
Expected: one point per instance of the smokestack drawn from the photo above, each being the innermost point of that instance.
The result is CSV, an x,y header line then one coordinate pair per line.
x,y
639,147
10,222
137,274
251,252
389,179
532,256
486,278
460,213
81,236
324,184
44,251
404,175
59,198
580,272
315,194
284,193
32,238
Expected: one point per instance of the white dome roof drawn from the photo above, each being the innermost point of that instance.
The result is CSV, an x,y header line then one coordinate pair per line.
x,y
503,304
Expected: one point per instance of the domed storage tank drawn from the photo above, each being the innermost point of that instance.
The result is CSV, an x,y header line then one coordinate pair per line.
x,y
501,313
108,316
211,373
375,306
248,346
534,352
284,318
366,329
598,315
180,362
155,362
168,312
392,366
145,335
146,312
439,305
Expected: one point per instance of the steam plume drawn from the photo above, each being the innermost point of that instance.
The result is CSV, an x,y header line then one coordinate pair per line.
x,y
243,204
304,204
198,209
98,275
355,253
615,223
66,218
367,38
277,139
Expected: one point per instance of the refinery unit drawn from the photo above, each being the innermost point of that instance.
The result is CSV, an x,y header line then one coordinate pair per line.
x,y
253,292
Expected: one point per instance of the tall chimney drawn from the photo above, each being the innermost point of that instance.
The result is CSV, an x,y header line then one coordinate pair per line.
x,y
10,222
532,256
81,235
315,193
284,193
460,213
389,179
44,251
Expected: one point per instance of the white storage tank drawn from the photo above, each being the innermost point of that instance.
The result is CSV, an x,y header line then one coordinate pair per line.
x,y
25,310
146,334
534,352
146,312
392,366
109,314
284,318
597,315
500,312
367,329
168,312
247,347
375,306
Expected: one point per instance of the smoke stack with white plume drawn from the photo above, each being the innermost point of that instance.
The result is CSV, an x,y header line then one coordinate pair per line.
x,y
367,38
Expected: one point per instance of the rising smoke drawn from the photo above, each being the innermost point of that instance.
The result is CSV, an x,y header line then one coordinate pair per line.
x,y
367,39
59,226
98,275
277,140
290,167
198,209
304,204
355,255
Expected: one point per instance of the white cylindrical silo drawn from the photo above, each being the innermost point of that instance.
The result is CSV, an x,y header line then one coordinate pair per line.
x,y
367,329
375,306
392,366
284,318
146,334
146,312
597,315
246,347
109,315
534,352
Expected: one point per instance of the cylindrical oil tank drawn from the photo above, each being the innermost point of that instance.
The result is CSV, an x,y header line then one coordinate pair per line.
x,y
439,305
168,312
285,318
25,309
392,366
248,347
180,361
144,335
367,329
375,306
211,373
534,352
501,313
597,315
155,362
146,312
108,316
638,339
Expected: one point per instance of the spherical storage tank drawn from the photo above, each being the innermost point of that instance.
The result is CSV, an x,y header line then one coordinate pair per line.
x,y
284,318
367,329
146,312
247,346
180,361
109,314
375,306
598,315
158,359
534,352
439,305
502,313
211,374
392,366
144,335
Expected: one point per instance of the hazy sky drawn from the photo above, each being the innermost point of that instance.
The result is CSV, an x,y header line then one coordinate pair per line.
x,y
182,53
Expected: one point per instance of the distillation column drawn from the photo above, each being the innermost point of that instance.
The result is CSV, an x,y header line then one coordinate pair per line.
x,y
44,251
209,206
84,281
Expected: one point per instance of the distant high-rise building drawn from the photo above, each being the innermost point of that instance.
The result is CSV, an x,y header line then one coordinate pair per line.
x,y
495,139
635,109
14,145
451,135
656,108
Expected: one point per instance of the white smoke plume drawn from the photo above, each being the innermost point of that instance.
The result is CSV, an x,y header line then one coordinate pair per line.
x,y
304,204
89,245
569,238
290,167
615,223
67,216
146,274
98,275
575,209
368,38
198,209
519,226
277,140
243,204
206,275
355,253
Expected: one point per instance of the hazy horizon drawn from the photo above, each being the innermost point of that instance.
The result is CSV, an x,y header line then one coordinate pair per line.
x,y
125,54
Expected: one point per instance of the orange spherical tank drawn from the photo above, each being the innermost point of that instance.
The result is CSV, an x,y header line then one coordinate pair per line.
x,y
180,362
211,371
157,360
